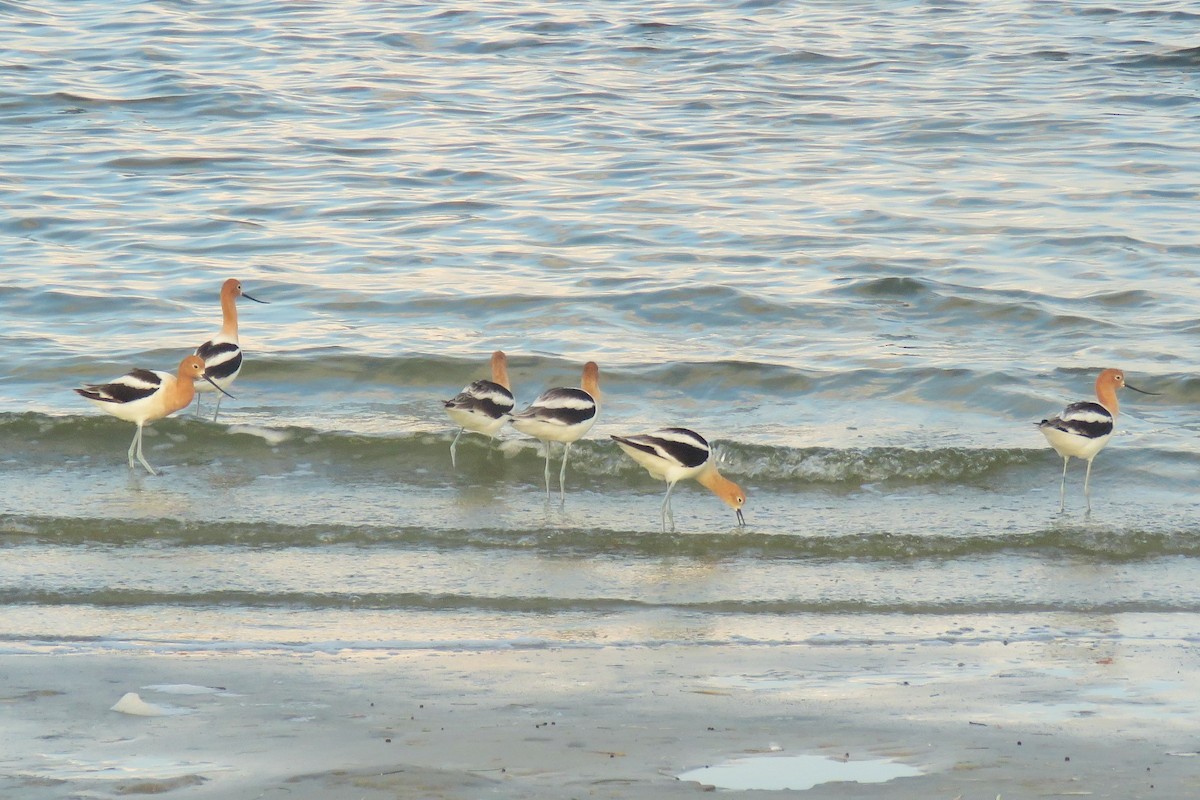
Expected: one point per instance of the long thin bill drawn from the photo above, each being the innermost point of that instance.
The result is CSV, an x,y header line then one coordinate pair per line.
x,y
1143,391
218,388
741,519
255,299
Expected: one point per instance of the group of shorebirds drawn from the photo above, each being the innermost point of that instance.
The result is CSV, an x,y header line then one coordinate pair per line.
x,y
560,414
142,396
566,414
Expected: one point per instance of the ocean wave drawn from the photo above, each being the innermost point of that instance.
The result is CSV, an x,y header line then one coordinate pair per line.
x,y
706,380
591,606
1186,58
860,466
1105,544
426,453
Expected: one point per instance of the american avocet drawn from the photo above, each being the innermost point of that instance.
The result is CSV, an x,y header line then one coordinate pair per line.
x,y
144,395
562,415
222,354
676,454
482,406
1083,429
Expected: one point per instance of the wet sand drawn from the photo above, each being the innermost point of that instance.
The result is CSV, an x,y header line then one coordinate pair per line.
x,y
1032,719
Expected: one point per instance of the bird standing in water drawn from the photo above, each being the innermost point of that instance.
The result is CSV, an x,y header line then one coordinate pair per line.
x,y
676,454
562,415
222,353
145,395
482,406
1082,430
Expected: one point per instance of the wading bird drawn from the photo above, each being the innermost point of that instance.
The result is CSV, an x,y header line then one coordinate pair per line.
x,y
482,406
222,354
1083,429
145,395
562,415
676,454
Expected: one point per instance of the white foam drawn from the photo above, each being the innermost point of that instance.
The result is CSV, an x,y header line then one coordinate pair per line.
x,y
74,766
511,448
183,688
131,703
271,437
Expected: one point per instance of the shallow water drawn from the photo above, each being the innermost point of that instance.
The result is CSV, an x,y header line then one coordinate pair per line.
x,y
862,247
796,772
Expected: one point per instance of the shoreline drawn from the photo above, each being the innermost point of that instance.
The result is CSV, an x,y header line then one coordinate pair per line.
x,y
1031,719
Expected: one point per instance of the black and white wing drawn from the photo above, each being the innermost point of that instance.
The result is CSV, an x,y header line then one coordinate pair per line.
x,y
136,385
221,359
483,398
679,446
1087,420
563,407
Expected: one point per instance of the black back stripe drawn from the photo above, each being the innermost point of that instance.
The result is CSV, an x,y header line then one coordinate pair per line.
x,y
679,445
211,350
146,376
483,397
223,369
1078,427
122,393
686,434
1089,420
683,450
141,384
480,405
561,406
565,398
636,443
561,416
486,390
1091,412
492,409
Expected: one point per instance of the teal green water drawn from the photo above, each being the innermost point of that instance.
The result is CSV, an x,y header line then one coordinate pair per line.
x,y
862,247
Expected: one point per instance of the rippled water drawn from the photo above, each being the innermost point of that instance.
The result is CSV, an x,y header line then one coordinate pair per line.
x,y
862,246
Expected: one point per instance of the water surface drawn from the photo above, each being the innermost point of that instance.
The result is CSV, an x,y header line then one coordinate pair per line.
x,y
863,247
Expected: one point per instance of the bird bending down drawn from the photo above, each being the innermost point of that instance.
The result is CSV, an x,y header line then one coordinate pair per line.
x,y
1083,429
482,406
222,354
562,415
144,395
676,454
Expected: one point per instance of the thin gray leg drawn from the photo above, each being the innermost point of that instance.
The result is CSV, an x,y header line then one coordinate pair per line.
x,y
666,509
547,443
562,475
1062,490
217,410
140,457
1087,492
454,445
137,434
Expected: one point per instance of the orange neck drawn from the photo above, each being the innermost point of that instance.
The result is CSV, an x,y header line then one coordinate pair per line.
x,y
1106,393
182,393
591,379
229,326
500,370
717,483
